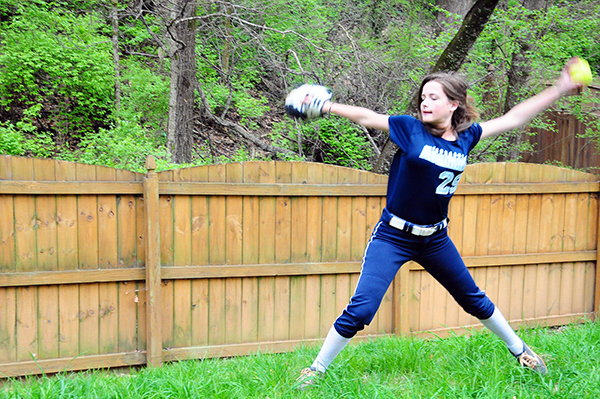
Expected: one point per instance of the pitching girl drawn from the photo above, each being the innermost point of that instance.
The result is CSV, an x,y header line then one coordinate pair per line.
x,y
431,157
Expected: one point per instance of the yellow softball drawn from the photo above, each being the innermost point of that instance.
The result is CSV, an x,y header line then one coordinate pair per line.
x,y
580,72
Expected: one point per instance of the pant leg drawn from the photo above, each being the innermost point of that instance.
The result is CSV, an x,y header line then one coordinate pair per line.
x,y
442,260
385,253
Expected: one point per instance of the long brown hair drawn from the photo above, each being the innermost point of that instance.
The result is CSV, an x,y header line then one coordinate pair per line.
x,y
455,88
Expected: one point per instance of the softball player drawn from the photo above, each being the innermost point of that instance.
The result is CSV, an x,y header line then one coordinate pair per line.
x,y
431,157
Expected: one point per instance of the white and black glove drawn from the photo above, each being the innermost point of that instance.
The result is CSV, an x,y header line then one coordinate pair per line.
x,y
306,101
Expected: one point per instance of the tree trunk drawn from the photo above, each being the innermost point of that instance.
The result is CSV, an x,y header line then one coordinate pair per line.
x,y
451,59
183,77
116,59
455,7
455,53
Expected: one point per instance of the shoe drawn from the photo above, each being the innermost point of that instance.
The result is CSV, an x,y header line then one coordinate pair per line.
x,y
531,360
308,377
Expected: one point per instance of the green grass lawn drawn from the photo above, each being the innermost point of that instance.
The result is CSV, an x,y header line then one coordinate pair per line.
x,y
474,365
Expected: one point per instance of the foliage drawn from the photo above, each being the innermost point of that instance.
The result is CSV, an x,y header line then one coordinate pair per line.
x,y
145,97
23,138
329,140
473,365
11,140
559,32
55,58
125,147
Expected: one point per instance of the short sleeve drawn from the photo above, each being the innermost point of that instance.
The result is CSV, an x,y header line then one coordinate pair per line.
x,y
475,132
401,127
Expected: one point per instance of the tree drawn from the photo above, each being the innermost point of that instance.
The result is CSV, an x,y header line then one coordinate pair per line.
x,y
114,16
182,52
60,95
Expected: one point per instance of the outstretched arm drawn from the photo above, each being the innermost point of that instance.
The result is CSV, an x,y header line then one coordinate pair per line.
x,y
312,101
523,112
360,115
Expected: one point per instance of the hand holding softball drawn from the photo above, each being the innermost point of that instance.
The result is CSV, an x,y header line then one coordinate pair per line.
x,y
575,75
306,101
579,71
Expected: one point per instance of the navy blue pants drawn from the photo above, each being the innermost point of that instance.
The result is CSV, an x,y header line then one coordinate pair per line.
x,y
388,249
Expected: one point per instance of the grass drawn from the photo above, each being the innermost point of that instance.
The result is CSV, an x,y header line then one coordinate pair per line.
x,y
474,365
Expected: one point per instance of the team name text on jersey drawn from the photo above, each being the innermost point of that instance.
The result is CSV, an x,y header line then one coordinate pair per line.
x,y
444,158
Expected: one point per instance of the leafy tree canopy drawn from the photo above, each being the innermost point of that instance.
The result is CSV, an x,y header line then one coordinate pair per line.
x,y
57,86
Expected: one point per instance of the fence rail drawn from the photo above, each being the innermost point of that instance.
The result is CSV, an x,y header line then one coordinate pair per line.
x,y
104,268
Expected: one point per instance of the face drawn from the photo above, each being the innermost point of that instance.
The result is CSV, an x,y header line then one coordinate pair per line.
x,y
436,108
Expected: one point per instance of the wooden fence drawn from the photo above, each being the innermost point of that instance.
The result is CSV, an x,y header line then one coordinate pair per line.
x,y
104,268
564,144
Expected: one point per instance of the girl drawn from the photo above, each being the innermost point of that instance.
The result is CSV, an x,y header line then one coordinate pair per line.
x,y
431,157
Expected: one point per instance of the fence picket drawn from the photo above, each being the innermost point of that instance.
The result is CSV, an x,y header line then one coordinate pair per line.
x,y
298,253
200,256
26,323
130,233
314,242
68,259
283,221
329,226
24,219
250,255
234,233
8,323
266,255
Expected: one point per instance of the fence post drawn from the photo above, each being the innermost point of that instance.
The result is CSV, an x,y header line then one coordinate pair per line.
x,y
154,356
597,287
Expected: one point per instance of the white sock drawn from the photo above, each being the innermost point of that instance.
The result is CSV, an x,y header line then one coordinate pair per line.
x,y
499,326
333,345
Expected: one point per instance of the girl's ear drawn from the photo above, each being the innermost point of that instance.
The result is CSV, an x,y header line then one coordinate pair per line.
x,y
454,105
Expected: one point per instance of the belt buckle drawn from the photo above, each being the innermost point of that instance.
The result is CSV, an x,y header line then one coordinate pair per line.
x,y
423,231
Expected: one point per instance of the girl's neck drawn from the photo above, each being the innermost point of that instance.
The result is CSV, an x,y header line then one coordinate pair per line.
x,y
449,134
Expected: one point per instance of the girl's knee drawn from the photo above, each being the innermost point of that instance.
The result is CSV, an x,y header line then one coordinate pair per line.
x,y
354,319
479,306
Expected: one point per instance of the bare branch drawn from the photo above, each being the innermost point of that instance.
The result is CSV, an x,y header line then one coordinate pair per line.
x,y
375,148
240,129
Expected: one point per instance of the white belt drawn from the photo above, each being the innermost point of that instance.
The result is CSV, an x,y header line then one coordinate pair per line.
x,y
416,229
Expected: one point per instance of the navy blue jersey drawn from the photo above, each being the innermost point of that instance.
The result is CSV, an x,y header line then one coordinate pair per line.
x,y
425,170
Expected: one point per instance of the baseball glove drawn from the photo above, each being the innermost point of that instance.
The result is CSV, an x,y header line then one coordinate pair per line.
x,y
306,101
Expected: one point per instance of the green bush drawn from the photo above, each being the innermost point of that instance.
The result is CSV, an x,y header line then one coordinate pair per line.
x,y
145,96
124,147
23,138
332,140
56,59
11,139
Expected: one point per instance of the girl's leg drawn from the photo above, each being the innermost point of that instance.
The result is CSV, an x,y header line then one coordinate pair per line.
x,y
333,345
384,254
445,264
387,250
499,326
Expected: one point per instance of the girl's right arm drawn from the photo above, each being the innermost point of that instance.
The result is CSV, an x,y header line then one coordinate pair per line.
x,y
360,115
525,111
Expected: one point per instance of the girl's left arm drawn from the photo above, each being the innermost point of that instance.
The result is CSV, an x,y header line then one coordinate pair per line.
x,y
523,112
